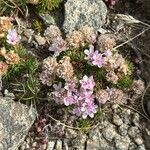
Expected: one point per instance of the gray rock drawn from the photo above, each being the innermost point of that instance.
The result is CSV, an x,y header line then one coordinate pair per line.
x,y
15,121
40,40
50,145
132,146
79,142
84,12
103,124
133,131
123,129
48,18
65,144
96,141
28,33
58,145
117,120
70,133
126,116
109,132
122,142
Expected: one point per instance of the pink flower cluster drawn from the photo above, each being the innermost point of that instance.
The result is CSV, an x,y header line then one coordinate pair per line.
x,y
58,46
54,36
82,99
12,37
95,58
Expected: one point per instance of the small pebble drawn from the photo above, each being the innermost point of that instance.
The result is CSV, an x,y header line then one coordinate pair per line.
x,y
136,119
123,129
40,40
133,131
59,145
50,145
34,144
138,140
109,132
141,147
117,120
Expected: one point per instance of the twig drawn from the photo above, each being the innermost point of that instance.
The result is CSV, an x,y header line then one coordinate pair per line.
x,y
143,99
16,6
75,128
131,39
135,111
8,4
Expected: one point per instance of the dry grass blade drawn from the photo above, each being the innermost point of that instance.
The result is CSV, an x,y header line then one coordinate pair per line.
x,y
131,39
127,18
148,86
131,108
67,126
130,20
16,6
8,4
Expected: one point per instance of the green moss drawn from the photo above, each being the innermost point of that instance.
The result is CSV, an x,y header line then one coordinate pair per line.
x,y
28,64
130,66
99,115
27,90
47,5
125,82
84,125
37,26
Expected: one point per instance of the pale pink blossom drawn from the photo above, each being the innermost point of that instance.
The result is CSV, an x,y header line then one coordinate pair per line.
x,y
98,60
89,53
12,37
87,83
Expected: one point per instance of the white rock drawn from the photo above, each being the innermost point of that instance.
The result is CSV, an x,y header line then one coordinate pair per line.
x,y
138,140
50,145
59,145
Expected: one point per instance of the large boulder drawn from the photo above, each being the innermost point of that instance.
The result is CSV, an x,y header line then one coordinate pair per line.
x,y
15,121
84,12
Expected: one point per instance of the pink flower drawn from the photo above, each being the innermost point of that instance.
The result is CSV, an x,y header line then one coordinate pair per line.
x,y
12,37
81,99
77,111
98,60
69,100
87,83
70,86
58,90
94,57
86,95
88,109
89,53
